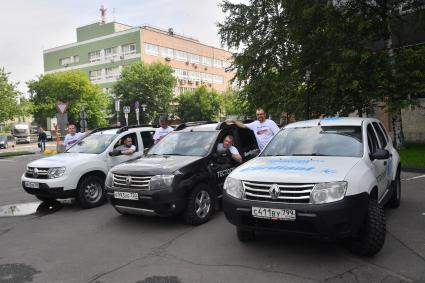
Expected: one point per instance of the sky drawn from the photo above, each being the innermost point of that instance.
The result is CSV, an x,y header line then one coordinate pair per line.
x,y
31,26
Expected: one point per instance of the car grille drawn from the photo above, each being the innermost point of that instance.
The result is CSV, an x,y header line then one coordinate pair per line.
x,y
37,173
288,193
132,182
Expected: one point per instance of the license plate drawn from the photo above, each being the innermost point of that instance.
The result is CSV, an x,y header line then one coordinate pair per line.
x,y
125,195
273,213
32,185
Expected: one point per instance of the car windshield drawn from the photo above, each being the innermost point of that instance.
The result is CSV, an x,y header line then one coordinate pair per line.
x,y
94,144
317,141
184,143
2,138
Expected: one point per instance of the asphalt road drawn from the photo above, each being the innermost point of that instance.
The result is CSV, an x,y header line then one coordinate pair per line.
x,y
99,245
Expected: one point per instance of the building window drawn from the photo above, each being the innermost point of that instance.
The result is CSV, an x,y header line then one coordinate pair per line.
x,y
129,49
194,76
94,56
195,58
111,52
95,75
69,60
206,77
217,63
180,55
218,79
151,49
226,64
207,61
112,73
166,52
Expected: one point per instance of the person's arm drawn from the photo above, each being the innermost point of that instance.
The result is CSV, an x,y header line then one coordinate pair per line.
x,y
275,129
129,151
235,154
236,122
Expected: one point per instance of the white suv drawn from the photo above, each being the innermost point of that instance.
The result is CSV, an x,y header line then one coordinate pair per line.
x,y
81,170
326,178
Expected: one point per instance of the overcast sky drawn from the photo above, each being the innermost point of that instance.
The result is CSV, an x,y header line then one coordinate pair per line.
x,y
29,27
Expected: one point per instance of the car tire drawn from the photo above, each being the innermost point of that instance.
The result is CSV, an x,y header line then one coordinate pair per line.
x,y
371,236
245,235
200,205
46,199
395,198
90,191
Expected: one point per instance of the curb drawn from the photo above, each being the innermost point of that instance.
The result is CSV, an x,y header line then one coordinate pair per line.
x,y
17,154
413,169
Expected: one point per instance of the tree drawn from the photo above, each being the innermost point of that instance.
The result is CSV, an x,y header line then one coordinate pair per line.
x,y
8,97
73,87
198,105
150,84
234,103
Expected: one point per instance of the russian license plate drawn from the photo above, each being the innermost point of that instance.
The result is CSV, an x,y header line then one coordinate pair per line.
x,y
125,195
273,213
32,185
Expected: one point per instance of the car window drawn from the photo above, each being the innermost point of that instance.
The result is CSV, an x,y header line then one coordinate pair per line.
x,y
384,131
94,144
246,138
318,140
2,138
381,136
371,139
147,138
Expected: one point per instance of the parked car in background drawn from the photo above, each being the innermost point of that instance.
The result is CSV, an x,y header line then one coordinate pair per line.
x,y
326,178
21,132
7,141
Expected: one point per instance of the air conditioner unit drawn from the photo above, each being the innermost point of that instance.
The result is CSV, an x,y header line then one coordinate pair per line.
x,y
195,66
209,84
122,57
205,68
197,83
189,82
167,59
187,62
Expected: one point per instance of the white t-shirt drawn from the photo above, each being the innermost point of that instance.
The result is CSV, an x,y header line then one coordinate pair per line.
x,y
264,132
160,132
233,150
71,139
125,147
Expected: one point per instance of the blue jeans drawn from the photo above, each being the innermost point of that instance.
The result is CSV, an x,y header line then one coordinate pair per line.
x,y
42,145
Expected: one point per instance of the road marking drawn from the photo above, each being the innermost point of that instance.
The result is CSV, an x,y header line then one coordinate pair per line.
x,y
413,178
7,160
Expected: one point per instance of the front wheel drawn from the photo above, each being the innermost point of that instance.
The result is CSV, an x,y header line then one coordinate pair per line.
x,y
200,205
90,192
371,236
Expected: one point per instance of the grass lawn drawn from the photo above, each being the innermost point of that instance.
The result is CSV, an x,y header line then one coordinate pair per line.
x,y
413,155
14,153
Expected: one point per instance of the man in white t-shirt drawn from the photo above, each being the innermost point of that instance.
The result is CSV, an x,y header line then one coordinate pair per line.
x,y
228,144
163,130
72,137
264,129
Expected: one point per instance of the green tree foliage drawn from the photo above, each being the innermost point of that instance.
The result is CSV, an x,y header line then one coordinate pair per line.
x,y
234,103
198,105
150,84
73,87
8,96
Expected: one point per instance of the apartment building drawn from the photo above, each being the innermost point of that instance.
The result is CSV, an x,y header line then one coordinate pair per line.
x,y
103,49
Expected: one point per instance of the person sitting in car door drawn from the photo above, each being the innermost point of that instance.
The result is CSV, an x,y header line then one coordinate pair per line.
x,y
127,148
231,151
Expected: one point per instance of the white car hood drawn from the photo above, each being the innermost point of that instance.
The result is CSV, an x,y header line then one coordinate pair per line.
x,y
300,169
62,159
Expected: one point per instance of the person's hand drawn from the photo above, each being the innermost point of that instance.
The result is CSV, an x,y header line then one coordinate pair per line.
x,y
115,152
229,121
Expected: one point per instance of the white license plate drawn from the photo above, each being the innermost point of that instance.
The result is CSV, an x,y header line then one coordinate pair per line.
x,y
125,195
32,185
273,213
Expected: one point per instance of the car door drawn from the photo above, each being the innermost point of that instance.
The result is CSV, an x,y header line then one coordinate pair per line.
x,y
379,166
385,145
246,143
115,160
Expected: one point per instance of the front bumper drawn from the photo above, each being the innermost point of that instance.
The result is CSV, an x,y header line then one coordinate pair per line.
x,y
163,202
45,190
331,221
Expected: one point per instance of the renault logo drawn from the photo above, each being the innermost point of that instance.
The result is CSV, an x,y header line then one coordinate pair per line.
x,y
128,180
274,191
35,173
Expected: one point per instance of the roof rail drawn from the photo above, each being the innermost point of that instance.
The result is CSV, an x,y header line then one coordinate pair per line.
x,y
191,124
125,128
103,129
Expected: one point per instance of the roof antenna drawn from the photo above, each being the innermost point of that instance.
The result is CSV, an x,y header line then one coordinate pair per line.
x,y
103,14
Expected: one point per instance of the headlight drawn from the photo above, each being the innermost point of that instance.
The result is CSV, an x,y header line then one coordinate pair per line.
x,y
328,192
109,179
55,172
233,187
161,181
1,142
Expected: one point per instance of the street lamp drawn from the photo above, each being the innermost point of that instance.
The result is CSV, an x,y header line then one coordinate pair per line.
x,y
143,110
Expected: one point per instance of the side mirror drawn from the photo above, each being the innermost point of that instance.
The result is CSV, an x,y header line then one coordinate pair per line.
x,y
380,154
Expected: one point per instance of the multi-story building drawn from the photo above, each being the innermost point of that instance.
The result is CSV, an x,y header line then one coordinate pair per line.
x,y
103,49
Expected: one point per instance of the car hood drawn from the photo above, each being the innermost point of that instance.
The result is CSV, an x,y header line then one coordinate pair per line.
x,y
155,164
290,169
61,160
